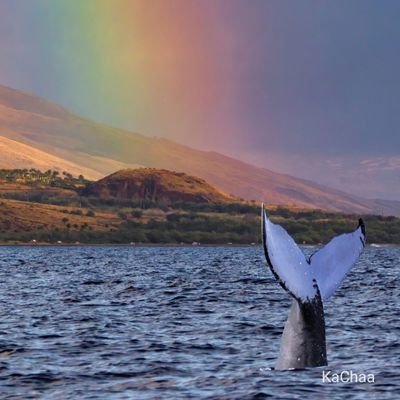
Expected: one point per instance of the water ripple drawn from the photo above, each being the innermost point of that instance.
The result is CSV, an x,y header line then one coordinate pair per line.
x,y
179,323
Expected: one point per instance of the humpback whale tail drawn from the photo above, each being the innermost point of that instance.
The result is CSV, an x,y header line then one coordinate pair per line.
x,y
310,281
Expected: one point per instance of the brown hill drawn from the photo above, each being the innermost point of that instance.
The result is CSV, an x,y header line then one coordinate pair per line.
x,y
95,147
157,185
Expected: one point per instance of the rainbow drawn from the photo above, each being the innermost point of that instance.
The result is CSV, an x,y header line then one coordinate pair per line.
x,y
143,61
191,71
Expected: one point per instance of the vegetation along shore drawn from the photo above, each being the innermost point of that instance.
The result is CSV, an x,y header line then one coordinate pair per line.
x,y
150,206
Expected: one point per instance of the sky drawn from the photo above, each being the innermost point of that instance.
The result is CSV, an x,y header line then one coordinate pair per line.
x,y
295,86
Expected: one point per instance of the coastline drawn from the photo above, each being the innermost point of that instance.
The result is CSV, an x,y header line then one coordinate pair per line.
x,y
44,244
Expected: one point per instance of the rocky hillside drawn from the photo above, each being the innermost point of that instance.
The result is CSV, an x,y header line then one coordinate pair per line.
x,y
155,185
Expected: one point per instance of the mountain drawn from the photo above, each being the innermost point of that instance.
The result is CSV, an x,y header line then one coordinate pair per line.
x,y
99,150
372,177
156,185
18,155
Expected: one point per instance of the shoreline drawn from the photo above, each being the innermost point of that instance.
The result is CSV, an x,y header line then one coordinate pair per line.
x,y
128,245
372,245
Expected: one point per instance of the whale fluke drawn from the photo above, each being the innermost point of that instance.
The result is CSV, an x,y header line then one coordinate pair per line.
x,y
310,280
299,274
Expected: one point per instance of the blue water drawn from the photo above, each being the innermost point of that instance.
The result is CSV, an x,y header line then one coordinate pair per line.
x,y
183,323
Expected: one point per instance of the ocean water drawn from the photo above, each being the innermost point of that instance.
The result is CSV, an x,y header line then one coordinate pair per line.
x,y
183,323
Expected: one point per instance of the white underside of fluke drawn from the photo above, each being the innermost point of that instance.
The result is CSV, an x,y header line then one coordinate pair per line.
x,y
324,271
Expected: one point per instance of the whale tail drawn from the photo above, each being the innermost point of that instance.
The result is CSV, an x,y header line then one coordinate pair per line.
x,y
303,277
310,280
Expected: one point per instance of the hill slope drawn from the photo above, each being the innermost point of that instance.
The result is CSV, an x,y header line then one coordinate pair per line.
x,y
103,149
18,155
155,185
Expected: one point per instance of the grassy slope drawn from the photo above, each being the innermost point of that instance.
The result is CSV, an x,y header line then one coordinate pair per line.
x,y
19,155
18,216
23,222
